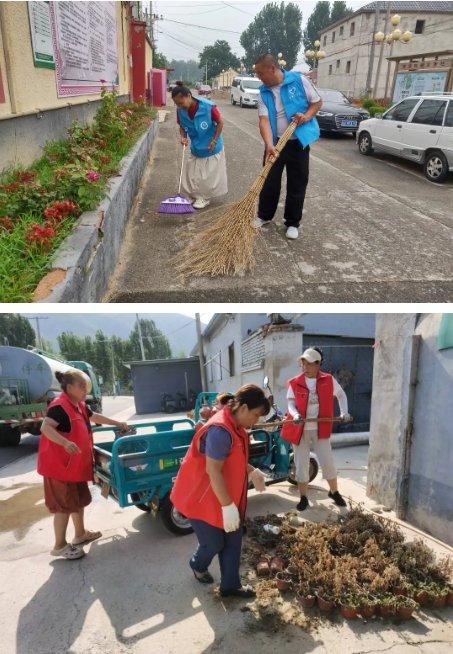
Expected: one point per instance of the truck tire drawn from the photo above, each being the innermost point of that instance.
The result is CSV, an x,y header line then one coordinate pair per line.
x,y
173,520
10,436
313,470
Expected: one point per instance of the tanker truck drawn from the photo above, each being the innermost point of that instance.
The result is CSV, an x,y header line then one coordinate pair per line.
x,y
28,384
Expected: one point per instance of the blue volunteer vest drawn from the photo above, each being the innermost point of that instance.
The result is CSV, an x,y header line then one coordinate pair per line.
x,y
294,100
201,129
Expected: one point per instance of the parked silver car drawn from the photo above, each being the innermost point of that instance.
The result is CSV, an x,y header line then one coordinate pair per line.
x,y
419,128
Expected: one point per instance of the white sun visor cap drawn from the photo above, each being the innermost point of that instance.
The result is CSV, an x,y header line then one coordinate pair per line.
x,y
311,355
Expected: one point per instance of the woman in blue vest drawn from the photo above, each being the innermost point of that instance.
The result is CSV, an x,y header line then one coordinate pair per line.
x,y
285,97
204,176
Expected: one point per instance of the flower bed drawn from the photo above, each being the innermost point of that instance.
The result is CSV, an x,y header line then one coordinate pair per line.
x,y
360,565
40,204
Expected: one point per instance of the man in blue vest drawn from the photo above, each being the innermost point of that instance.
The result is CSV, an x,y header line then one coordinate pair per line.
x,y
285,97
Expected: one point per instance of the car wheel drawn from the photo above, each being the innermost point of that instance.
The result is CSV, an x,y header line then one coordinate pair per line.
x,y
233,101
365,143
436,167
240,103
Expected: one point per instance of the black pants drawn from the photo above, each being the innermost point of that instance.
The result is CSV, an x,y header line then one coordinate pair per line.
x,y
295,157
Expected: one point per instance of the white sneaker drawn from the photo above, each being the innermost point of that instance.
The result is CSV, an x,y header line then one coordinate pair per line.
x,y
258,223
201,203
292,232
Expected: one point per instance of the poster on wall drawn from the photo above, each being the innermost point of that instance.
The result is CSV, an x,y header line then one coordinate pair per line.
x,y
429,81
41,34
84,41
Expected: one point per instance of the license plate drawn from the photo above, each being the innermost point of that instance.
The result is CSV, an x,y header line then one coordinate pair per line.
x,y
349,123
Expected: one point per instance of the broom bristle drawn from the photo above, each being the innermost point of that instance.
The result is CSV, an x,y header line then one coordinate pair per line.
x,y
227,247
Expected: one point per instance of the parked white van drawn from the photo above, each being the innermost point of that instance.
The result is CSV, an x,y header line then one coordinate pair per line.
x,y
419,128
244,91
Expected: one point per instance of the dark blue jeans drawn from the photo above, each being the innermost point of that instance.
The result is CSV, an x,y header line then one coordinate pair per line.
x,y
212,541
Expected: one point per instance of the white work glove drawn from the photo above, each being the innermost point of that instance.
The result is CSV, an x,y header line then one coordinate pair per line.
x,y
346,417
258,480
297,419
231,518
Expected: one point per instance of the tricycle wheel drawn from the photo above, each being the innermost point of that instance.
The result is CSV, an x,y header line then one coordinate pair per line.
x,y
143,507
313,470
173,520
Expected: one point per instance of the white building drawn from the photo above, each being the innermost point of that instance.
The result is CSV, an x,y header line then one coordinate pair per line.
x,y
348,44
243,348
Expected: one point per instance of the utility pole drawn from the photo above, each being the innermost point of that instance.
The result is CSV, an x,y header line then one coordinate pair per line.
x,y
204,382
381,53
371,60
38,331
140,338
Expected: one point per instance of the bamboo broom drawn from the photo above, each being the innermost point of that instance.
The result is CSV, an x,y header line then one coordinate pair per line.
x,y
227,247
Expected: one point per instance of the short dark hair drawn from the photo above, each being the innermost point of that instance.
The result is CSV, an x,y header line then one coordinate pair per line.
x,y
179,83
267,59
180,90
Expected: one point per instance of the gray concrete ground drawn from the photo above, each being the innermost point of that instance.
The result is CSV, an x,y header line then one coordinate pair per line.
x,y
374,229
133,591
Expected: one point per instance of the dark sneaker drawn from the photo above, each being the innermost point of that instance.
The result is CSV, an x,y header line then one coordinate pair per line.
x,y
246,592
337,498
203,577
303,504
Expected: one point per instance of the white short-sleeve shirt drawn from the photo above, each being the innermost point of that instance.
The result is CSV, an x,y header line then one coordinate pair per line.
x,y
282,121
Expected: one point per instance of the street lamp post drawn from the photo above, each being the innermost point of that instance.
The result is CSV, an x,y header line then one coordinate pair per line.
x,y
389,39
315,55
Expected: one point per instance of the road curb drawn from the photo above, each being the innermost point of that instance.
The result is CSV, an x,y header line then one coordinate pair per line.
x,y
349,439
84,262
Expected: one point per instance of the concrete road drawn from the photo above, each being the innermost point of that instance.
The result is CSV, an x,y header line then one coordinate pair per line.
x,y
374,229
133,592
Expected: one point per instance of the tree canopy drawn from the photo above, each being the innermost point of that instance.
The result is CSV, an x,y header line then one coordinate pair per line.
x,y
16,330
321,17
276,28
218,57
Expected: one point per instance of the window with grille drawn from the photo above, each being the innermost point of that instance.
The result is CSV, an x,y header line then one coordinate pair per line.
x,y
333,37
324,41
330,69
341,30
352,29
338,64
419,27
348,66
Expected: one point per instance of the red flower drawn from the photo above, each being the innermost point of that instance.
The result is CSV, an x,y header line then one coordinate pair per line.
x,y
58,211
92,176
40,235
14,186
27,177
6,223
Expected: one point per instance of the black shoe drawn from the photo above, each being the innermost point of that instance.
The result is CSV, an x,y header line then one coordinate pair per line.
x,y
246,592
303,504
203,577
337,498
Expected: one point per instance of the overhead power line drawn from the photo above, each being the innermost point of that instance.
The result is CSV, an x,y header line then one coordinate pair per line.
x,y
202,27
238,9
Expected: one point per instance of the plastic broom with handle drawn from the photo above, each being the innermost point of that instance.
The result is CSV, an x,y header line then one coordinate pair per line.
x,y
227,247
177,203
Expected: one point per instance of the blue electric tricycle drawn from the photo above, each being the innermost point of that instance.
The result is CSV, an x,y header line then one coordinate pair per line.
x,y
139,470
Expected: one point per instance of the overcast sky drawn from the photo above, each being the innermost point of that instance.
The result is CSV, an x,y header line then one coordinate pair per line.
x,y
178,41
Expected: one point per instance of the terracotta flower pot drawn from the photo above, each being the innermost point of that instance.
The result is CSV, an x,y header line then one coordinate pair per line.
x,y
262,569
405,612
283,582
438,601
421,597
387,610
307,601
348,612
325,605
367,610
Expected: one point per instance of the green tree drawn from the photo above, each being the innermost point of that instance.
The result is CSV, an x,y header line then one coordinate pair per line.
x,y
218,57
155,343
187,71
16,330
159,60
321,17
276,28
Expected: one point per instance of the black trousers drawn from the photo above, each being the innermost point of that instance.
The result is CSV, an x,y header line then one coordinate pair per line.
x,y
295,158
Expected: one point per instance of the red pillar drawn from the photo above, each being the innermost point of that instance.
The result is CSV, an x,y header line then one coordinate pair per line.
x,y
138,59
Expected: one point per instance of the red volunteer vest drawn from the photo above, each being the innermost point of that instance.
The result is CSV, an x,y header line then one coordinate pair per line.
x,y
324,388
192,494
54,461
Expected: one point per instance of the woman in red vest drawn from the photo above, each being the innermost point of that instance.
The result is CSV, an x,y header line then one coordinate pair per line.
x,y
65,460
311,395
211,487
